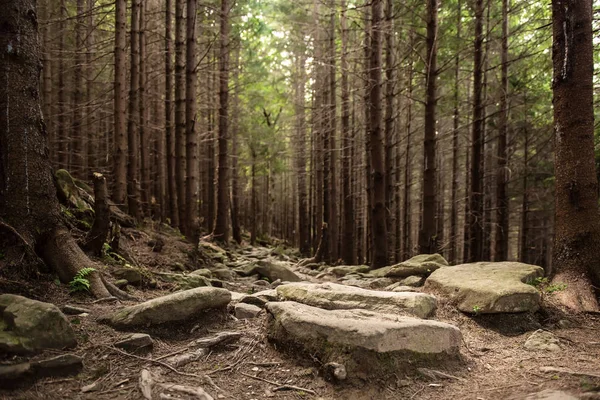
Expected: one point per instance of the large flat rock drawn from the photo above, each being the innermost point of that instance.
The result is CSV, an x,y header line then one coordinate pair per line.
x,y
29,326
488,287
333,296
364,336
174,307
421,265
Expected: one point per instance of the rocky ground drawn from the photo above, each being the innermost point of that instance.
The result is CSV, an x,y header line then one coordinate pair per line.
x,y
254,323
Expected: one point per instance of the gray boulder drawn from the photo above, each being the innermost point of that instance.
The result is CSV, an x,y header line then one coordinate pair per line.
x,y
184,282
421,265
359,338
137,342
541,340
274,270
29,326
333,296
343,270
246,311
175,307
488,287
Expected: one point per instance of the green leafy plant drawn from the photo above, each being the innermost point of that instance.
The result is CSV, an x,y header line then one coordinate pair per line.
x,y
476,309
80,282
544,285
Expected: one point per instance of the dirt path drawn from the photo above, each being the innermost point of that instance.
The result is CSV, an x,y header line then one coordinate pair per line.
x,y
493,364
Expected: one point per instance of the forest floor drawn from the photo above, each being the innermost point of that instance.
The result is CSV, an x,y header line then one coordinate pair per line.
x,y
493,363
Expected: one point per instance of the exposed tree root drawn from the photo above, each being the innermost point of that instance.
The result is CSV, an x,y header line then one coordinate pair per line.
x,y
115,291
320,249
63,255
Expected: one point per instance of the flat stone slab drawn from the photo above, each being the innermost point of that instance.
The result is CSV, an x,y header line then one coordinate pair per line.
x,y
29,326
488,287
541,340
333,296
326,331
174,307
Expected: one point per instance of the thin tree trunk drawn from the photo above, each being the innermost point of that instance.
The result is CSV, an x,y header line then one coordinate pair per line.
x,y
428,237
61,133
476,191
169,131
389,125
180,96
333,230
235,195
76,139
378,225
191,148
455,135
119,172
144,142
221,231
133,199
502,213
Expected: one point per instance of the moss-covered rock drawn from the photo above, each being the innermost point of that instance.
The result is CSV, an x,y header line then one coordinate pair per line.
x,y
31,326
421,265
175,307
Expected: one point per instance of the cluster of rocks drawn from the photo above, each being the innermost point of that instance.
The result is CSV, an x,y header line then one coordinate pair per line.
x,y
359,317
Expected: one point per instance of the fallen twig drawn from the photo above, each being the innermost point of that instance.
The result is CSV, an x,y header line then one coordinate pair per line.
x,y
279,385
145,383
569,372
438,374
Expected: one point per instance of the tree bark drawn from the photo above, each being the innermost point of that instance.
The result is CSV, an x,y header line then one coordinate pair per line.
x,y
28,199
475,216
221,231
119,192
180,163
501,243
96,237
169,131
133,194
378,225
428,237
192,164
576,259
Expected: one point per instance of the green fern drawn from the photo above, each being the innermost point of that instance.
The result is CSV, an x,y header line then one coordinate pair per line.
x,y
80,283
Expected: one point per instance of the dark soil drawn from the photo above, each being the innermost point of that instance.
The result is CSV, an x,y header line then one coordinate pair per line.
x,y
493,362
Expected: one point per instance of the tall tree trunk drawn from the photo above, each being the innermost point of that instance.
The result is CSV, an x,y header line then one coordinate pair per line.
x,y
144,142
180,163
221,231
333,192
191,148
28,202
169,131
378,225
236,230
133,194
61,129
576,259
92,131
76,139
348,242
455,135
501,248
476,191
303,216
428,238
119,172
389,125
406,203
524,232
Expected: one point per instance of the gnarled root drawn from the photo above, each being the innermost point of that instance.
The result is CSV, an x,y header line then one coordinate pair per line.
x,y
63,255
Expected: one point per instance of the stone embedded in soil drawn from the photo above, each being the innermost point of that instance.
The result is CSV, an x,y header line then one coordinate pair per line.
x,y
413,280
421,265
205,272
488,287
344,333
343,270
541,340
31,326
175,307
246,311
132,275
74,310
333,296
184,282
136,342
224,274
377,283
64,364
274,270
